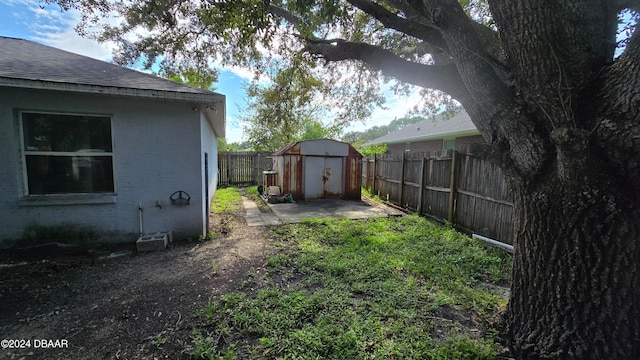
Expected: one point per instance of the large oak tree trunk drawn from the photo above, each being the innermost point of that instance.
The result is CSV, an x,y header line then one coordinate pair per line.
x,y
560,114
576,289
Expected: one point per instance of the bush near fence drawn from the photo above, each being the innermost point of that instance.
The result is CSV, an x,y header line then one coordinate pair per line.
x,y
463,189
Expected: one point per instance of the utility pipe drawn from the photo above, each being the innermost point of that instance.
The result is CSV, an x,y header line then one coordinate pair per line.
x,y
506,247
140,217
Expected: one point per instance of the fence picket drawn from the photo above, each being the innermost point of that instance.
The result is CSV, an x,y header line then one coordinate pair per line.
x,y
466,190
242,168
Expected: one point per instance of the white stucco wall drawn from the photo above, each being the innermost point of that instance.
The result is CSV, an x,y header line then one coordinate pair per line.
x,y
157,146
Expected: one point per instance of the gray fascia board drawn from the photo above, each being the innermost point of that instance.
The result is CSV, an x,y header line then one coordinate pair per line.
x,y
217,118
114,91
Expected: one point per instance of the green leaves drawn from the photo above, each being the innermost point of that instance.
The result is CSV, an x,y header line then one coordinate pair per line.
x,y
372,150
202,77
287,108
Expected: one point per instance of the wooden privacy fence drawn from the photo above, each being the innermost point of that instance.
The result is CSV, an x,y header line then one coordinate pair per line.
x,y
242,168
466,190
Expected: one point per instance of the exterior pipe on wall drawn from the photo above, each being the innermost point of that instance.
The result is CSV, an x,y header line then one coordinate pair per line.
x,y
506,247
140,217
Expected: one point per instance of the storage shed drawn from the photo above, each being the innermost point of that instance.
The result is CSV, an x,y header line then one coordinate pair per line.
x,y
319,169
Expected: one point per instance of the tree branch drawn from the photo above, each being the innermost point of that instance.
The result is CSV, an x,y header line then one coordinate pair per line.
x,y
285,14
444,78
492,106
406,26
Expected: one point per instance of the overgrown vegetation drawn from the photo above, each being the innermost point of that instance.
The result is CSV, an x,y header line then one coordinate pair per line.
x,y
372,150
226,205
227,200
344,289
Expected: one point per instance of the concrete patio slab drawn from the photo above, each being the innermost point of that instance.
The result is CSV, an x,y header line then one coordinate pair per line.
x,y
287,213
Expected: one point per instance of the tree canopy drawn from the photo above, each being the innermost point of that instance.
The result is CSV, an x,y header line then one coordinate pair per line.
x,y
284,109
549,84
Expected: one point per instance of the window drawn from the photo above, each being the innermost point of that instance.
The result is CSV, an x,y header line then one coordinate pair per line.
x,y
407,147
67,154
449,144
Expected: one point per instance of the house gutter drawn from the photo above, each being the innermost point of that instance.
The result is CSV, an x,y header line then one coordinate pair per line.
x,y
446,135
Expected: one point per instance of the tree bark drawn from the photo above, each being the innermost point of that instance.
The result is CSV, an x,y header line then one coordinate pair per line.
x,y
561,117
576,283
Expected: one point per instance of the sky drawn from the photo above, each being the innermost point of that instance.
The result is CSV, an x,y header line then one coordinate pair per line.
x,y
25,19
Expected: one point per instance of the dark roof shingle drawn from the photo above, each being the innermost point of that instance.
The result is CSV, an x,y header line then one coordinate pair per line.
x,y
28,60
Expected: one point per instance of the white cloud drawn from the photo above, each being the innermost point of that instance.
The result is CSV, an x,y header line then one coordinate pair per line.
x,y
242,72
51,26
70,41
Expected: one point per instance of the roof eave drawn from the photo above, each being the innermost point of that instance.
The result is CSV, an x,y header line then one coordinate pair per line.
x,y
115,91
217,118
448,135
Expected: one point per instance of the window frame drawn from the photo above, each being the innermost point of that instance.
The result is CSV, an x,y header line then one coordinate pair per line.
x,y
69,197
451,140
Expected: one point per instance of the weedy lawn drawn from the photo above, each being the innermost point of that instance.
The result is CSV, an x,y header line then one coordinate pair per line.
x,y
385,288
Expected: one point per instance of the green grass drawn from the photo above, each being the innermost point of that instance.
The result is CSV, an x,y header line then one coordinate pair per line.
x,y
226,200
226,204
360,289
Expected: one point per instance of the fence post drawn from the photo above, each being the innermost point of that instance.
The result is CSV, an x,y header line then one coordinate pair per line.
x,y
373,187
228,168
452,187
257,167
421,182
402,180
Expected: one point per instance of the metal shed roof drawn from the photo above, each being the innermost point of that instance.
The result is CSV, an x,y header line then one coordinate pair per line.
x,y
322,147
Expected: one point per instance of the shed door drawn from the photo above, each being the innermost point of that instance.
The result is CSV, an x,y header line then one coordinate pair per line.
x,y
323,177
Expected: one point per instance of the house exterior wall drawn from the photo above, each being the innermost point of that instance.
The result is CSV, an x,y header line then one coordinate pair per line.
x,y
418,146
397,148
209,145
428,145
157,147
462,143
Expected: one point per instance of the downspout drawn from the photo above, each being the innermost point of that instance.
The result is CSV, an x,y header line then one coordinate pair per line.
x,y
206,192
140,218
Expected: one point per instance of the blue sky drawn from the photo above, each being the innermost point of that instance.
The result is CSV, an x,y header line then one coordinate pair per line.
x,y
26,20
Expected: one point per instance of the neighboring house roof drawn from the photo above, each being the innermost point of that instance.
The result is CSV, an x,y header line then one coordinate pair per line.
x,y
438,128
28,64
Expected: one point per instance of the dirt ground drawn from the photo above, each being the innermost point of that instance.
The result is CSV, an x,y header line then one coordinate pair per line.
x,y
132,307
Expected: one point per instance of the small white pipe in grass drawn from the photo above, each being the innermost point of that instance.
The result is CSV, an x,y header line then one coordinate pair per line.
x,y
506,247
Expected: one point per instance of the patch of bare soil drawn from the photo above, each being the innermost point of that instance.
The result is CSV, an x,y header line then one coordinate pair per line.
x,y
132,307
